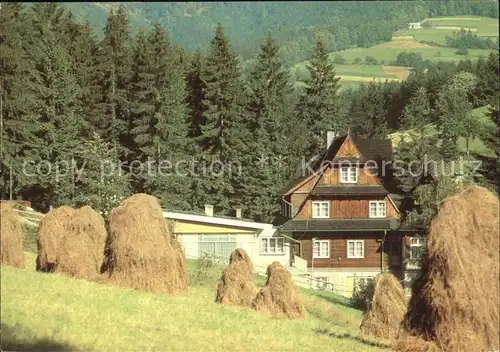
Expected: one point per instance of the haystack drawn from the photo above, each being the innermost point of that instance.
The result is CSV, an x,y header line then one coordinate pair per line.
x,y
279,297
71,242
454,306
53,227
236,285
387,308
180,256
140,253
11,236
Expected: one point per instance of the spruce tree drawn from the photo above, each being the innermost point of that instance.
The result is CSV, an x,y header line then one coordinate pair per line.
x,y
318,105
54,97
417,112
18,128
369,115
83,50
160,118
223,135
418,147
453,111
268,153
113,76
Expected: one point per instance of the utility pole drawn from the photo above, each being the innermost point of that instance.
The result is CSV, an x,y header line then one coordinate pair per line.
x,y
2,154
10,180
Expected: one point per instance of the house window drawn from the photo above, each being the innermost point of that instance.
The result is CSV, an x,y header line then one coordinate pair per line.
x,y
321,209
321,249
377,209
355,249
348,174
416,247
272,245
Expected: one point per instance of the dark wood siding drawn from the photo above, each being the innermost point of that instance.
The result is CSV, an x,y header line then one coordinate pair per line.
x,y
338,249
343,208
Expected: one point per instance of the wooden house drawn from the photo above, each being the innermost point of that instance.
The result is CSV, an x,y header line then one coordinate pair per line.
x,y
344,217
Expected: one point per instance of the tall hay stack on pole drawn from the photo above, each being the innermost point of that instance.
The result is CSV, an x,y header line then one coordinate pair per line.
x,y
455,303
236,285
11,236
387,308
71,242
279,297
140,253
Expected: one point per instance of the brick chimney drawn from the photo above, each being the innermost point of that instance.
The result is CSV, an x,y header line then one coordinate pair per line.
x,y
239,213
209,210
330,136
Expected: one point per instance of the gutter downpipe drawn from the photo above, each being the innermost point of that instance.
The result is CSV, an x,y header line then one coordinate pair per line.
x,y
382,252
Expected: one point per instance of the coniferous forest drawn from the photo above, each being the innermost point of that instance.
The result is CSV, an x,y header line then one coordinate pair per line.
x,y
88,118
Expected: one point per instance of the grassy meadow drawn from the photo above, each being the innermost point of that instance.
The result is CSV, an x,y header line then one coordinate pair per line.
x,y
54,312
352,73
445,26
476,145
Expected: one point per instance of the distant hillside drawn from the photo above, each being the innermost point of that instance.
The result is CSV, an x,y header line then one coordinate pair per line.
x,y
296,25
428,42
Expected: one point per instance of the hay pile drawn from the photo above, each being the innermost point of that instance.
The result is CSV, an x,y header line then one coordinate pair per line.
x,y
140,252
71,242
236,285
11,236
180,256
454,306
279,297
387,308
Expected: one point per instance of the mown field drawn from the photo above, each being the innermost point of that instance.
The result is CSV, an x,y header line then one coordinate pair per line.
x,y
54,312
445,26
353,73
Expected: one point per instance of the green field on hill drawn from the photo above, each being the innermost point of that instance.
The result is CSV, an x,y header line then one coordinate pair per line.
x,y
54,312
476,145
406,40
445,26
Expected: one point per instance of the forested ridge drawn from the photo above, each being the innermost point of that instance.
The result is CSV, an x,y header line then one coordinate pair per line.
x,y
71,97
296,25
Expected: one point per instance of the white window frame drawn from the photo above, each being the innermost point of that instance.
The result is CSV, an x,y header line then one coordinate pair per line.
x,y
356,256
269,240
319,244
319,204
378,212
348,173
413,245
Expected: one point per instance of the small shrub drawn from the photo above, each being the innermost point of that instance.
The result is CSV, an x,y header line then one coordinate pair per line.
x,y
370,60
339,60
462,50
362,294
357,60
202,274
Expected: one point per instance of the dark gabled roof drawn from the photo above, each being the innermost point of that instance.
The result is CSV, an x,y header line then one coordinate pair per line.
x,y
370,149
340,225
345,190
374,149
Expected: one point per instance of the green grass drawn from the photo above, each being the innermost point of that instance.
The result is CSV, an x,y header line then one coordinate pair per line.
x,y
352,74
390,54
476,145
54,312
481,26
